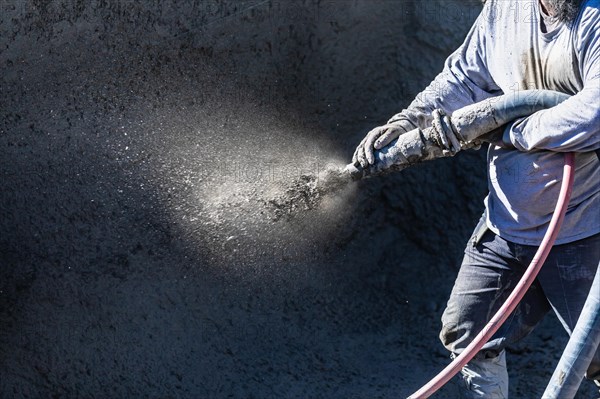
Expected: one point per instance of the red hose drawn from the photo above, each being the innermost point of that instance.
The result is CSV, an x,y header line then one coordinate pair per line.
x,y
515,297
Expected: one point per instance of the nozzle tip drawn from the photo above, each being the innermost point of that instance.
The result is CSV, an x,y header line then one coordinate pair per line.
x,y
354,170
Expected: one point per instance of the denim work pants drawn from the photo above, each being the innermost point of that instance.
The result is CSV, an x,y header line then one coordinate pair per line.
x,y
490,270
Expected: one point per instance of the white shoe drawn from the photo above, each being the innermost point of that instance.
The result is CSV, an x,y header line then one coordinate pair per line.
x,y
485,378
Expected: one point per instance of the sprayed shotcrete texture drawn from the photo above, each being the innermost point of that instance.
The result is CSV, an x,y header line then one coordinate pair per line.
x,y
148,243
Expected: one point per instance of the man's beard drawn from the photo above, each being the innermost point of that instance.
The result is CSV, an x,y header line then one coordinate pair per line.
x,y
564,10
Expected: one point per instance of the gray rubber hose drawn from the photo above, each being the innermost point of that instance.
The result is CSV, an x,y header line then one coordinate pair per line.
x,y
580,350
467,123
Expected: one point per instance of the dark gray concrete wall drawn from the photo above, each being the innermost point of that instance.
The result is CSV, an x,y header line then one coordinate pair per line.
x,y
134,257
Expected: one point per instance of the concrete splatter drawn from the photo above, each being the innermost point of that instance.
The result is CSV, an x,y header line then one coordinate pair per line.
x,y
307,192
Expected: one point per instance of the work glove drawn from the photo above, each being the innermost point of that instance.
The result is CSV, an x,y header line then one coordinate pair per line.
x,y
378,138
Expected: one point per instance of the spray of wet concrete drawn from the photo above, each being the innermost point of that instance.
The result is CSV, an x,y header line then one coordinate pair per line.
x,y
308,192
164,226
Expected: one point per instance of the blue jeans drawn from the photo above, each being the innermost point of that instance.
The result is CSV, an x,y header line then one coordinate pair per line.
x,y
490,270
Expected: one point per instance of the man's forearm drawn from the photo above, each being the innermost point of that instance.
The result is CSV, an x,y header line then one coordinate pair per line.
x,y
573,125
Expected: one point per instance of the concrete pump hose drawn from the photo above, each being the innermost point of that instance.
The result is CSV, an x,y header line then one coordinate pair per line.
x,y
472,121
580,350
515,297
468,124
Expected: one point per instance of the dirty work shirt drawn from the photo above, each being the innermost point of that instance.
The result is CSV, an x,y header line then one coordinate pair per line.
x,y
510,49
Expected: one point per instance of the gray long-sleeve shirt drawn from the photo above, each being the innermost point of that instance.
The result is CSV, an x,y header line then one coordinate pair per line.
x,y
505,51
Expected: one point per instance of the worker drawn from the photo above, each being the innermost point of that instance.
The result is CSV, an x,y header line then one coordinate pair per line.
x,y
513,46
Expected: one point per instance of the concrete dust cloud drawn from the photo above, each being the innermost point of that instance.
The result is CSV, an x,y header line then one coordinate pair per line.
x,y
239,180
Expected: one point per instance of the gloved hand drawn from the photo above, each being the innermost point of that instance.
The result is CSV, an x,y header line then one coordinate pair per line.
x,y
378,138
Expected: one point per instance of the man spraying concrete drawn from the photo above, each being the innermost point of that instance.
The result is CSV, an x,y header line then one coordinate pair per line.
x,y
512,47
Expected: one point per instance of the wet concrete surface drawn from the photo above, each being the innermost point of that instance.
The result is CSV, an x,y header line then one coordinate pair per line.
x,y
140,143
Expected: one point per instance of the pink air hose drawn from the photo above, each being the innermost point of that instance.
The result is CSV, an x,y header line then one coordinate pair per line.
x,y
516,296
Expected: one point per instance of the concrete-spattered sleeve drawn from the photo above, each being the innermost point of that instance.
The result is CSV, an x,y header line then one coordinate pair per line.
x,y
573,125
464,80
